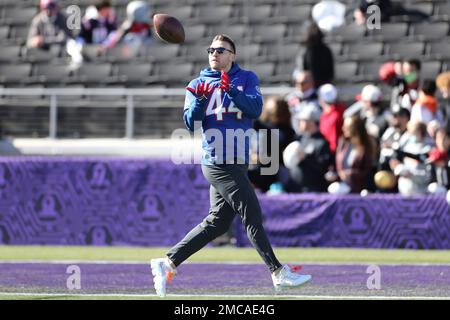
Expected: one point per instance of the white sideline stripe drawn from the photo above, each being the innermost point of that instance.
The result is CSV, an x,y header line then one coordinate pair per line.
x,y
101,262
28,294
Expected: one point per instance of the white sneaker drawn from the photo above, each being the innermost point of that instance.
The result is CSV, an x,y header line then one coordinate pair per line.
x,y
289,278
162,275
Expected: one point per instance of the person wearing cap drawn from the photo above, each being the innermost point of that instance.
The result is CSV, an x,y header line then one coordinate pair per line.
x,y
135,32
369,108
304,93
312,157
48,27
331,119
390,140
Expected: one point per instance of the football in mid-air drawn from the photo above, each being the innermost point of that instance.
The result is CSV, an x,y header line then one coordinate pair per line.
x,y
168,28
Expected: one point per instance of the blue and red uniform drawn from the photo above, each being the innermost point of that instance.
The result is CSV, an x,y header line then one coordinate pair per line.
x,y
232,110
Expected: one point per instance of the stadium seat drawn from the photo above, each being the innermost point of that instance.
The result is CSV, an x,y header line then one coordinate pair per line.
x,y
336,49
346,71
430,69
134,74
390,32
406,50
442,11
364,51
293,13
347,33
212,14
4,33
423,6
51,75
40,56
174,74
19,34
283,72
162,52
268,33
236,31
286,52
369,70
10,53
248,51
256,14
182,13
18,15
94,74
195,53
430,31
440,49
265,71
195,33
14,74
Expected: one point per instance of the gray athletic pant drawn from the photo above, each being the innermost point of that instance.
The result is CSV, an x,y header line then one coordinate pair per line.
x,y
230,192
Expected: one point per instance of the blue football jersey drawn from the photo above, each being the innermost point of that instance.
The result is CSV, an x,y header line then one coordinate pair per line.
x,y
226,117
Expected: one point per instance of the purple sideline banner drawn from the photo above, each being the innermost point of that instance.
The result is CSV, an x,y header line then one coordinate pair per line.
x,y
147,202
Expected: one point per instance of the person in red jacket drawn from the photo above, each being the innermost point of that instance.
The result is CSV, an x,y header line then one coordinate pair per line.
x,y
331,120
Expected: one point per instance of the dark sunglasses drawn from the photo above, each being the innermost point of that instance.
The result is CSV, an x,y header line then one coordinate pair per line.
x,y
219,50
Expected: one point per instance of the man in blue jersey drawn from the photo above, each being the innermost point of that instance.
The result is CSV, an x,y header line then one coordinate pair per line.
x,y
224,100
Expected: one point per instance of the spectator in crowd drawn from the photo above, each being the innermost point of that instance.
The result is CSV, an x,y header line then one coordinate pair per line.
x,y
438,158
387,10
309,157
48,27
97,28
98,23
135,32
305,93
317,58
331,119
391,72
425,108
390,140
405,93
369,108
373,112
410,164
355,154
275,115
443,83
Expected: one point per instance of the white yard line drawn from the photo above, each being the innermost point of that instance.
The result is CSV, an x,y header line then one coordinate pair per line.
x,y
230,296
37,261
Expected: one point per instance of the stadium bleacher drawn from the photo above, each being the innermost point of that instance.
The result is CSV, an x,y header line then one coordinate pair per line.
x,y
267,33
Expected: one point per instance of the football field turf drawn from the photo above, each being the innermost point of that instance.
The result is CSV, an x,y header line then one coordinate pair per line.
x,y
35,272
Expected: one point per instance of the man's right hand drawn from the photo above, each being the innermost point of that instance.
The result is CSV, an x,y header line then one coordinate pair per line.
x,y
202,90
37,41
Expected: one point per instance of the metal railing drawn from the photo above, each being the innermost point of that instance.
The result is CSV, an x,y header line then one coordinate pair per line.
x,y
54,93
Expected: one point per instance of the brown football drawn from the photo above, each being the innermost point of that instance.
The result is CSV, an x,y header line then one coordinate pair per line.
x,y
168,28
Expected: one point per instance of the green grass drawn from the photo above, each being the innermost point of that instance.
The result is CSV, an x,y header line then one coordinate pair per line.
x,y
302,255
